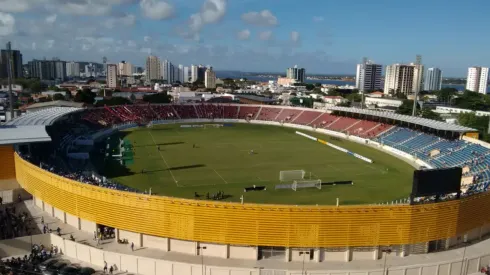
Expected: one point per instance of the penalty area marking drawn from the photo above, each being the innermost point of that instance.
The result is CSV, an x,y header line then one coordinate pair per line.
x,y
220,176
166,164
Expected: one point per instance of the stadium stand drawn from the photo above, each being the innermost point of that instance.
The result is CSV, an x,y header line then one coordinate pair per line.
x,y
287,115
342,124
230,112
432,149
105,206
306,117
323,120
42,117
7,168
247,112
268,114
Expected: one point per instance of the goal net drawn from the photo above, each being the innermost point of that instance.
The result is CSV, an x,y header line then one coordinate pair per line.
x,y
307,184
212,126
291,175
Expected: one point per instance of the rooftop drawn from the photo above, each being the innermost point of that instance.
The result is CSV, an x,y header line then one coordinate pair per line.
x,y
23,134
257,98
434,124
42,117
57,103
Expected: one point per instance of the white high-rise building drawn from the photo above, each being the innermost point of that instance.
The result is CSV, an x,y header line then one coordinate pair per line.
x,y
433,80
168,72
153,68
210,78
406,79
111,77
368,76
477,80
194,73
399,78
180,76
125,69
72,69
297,74
186,74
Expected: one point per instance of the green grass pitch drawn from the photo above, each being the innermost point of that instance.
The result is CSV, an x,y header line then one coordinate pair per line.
x,y
222,161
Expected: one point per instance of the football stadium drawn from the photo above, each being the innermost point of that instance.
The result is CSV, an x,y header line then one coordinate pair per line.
x,y
254,189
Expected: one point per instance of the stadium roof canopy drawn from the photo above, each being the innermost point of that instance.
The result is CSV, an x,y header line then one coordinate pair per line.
x,y
31,127
437,125
42,117
57,103
23,134
256,98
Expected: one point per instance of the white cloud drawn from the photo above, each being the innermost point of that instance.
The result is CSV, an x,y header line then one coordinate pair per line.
x,y
7,24
263,18
156,10
83,7
124,20
212,11
51,19
265,35
147,38
295,36
146,50
131,44
49,43
317,19
243,35
16,5
89,43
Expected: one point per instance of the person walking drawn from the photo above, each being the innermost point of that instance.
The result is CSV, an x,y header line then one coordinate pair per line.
x,y
105,267
132,246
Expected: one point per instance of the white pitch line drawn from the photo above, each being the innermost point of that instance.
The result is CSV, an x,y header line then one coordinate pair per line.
x,y
168,167
220,176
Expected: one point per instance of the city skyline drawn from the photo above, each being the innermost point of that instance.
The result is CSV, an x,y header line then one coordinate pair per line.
x,y
249,35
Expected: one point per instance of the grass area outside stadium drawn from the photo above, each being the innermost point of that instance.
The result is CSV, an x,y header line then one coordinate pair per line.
x,y
221,161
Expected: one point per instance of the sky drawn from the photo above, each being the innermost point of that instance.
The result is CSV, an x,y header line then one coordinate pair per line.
x,y
323,36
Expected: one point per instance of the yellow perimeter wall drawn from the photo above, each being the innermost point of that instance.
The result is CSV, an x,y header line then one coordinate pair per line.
x,y
7,163
256,224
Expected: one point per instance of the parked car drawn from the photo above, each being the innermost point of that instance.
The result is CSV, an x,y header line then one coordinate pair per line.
x,y
44,265
54,269
69,270
86,271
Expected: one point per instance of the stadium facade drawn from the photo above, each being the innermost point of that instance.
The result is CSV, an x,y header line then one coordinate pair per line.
x,y
248,231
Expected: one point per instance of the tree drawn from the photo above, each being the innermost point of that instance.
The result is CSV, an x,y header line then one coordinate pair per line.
x,y
305,102
310,87
113,101
445,94
473,101
59,96
54,88
35,87
473,121
354,97
344,104
132,97
428,113
157,98
318,84
86,96
406,107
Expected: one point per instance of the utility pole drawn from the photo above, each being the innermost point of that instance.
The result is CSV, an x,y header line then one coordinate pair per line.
x,y
9,73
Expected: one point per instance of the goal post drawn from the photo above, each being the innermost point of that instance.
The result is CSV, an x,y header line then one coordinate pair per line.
x,y
307,184
291,175
212,126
